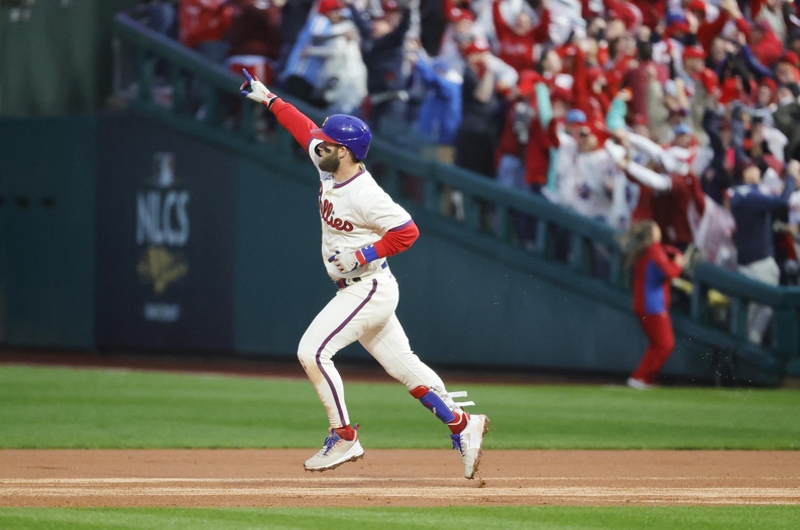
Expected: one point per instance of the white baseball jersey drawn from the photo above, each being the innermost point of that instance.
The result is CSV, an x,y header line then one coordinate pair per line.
x,y
354,214
591,183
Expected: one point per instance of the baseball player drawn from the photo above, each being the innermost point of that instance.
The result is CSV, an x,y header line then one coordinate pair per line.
x,y
361,227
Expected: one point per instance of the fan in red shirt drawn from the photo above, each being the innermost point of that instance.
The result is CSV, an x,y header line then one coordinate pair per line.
x,y
204,20
516,42
672,193
671,210
653,270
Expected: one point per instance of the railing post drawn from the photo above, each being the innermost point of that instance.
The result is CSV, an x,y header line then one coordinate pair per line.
x,y
785,333
472,211
544,239
147,67
615,271
738,324
178,90
580,255
699,308
502,225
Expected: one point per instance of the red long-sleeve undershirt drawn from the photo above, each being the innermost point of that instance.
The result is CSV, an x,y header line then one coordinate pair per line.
x,y
396,240
294,121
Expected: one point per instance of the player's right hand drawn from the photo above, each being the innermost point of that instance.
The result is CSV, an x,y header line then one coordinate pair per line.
x,y
347,260
257,91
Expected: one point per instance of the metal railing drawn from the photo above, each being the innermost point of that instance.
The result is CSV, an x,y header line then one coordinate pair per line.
x,y
567,248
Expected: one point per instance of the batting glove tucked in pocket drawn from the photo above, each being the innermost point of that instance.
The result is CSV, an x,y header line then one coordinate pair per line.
x,y
347,260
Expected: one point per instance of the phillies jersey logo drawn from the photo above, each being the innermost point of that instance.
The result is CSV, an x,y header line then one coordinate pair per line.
x,y
326,212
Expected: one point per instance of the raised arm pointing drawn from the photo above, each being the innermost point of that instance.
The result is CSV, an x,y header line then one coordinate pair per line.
x,y
287,115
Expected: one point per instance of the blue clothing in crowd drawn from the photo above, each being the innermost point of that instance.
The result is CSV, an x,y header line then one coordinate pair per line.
x,y
752,211
316,29
440,114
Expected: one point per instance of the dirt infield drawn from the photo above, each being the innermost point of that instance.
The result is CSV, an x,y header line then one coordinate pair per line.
x,y
171,478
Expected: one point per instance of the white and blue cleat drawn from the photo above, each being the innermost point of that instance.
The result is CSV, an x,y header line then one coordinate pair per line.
x,y
335,452
470,441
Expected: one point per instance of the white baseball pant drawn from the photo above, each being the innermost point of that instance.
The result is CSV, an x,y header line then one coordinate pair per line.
x,y
364,312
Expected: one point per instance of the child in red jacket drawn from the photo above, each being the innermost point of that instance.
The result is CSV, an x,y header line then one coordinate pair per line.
x,y
653,269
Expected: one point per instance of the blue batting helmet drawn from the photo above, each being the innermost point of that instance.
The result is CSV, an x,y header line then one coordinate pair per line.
x,y
345,130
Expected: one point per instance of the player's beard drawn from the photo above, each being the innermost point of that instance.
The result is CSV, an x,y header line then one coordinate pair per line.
x,y
329,163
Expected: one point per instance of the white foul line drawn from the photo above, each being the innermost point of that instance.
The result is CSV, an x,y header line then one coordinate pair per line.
x,y
318,479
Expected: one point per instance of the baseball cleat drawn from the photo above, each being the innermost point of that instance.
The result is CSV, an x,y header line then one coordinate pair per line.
x,y
469,443
639,384
334,453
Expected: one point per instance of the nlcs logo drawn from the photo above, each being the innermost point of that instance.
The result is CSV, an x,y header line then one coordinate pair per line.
x,y
162,224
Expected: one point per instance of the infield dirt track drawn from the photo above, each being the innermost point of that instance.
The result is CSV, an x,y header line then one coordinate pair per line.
x,y
169,478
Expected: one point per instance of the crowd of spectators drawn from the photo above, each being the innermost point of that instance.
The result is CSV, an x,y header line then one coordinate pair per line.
x,y
686,112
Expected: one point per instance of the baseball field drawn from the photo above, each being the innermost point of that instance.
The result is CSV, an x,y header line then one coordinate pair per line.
x,y
101,448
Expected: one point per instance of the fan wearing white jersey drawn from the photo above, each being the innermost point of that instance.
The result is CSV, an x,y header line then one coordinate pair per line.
x,y
361,227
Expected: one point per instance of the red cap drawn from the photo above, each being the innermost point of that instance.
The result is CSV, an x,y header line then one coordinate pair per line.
x,y
326,6
790,57
389,6
561,94
697,5
476,46
691,52
457,15
675,27
769,83
623,13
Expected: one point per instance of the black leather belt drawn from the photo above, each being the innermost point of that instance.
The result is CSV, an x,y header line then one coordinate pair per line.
x,y
344,282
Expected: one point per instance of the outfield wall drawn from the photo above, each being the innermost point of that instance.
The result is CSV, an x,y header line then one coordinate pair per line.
x,y
47,225
55,56
191,247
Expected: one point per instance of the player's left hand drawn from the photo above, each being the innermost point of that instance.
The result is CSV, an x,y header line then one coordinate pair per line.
x,y
347,260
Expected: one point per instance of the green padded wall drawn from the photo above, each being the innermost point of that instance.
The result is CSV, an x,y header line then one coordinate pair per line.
x,y
47,216
55,56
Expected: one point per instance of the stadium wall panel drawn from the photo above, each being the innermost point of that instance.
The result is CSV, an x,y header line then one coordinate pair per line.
x,y
47,222
165,239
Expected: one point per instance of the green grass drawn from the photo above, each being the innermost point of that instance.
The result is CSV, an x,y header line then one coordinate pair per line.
x,y
75,408
483,518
